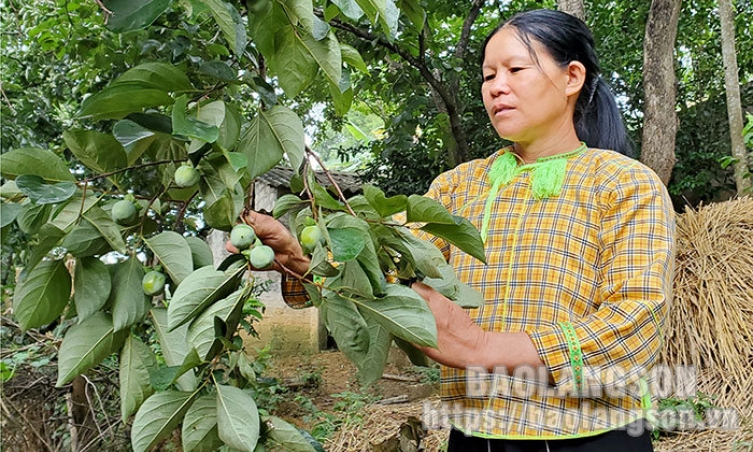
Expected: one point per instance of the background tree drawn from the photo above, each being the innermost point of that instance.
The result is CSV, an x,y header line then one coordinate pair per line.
x,y
574,7
659,81
732,91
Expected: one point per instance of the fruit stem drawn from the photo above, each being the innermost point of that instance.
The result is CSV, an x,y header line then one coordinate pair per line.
x,y
331,179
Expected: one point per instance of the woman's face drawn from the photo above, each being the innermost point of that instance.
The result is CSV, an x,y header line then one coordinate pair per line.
x,y
525,99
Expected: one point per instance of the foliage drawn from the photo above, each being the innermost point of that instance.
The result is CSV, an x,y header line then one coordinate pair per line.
x,y
205,86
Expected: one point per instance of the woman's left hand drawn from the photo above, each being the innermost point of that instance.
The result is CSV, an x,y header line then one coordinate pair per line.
x,y
460,342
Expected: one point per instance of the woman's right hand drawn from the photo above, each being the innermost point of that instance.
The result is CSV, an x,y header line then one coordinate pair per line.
x,y
288,252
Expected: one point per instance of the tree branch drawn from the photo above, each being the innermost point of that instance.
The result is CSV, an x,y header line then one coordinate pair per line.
x,y
462,46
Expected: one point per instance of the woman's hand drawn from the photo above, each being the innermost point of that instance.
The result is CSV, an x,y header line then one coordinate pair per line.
x,y
288,252
460,342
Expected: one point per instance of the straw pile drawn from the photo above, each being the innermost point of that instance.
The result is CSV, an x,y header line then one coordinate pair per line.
x,y
710,326
711,319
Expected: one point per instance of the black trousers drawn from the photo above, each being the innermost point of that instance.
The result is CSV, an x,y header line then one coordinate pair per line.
x,y
613,441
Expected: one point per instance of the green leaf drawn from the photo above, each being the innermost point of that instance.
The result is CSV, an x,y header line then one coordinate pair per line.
x,y
271,134
353,280
40,193
33,217
200,426
163,378
201,253
286,435
40,162
352,58
119,100
102,221
69,214
173,252
158,416
237,418
41,297
350,9
348,327
285,204
299,56
98,151
174,346
218,70
230,131
426,210
136,363
49,237
189,126
231,24
413,11
379,349
323,199
462,234
381,13
346,243
162,76
468,297
404,314
414,354
85,240
200,289
201,332
91,286
223,213
134,138
211,113
129,303
84,346
342,95
133,14
384,205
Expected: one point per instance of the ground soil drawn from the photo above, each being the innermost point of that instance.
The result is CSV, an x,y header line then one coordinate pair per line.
x,y
323,376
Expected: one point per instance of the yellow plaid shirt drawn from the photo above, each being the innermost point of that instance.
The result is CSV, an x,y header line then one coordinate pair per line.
x,y
587,273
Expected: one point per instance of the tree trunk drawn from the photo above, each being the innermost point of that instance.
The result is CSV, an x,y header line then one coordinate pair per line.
x,y
574,7
659,84
732,89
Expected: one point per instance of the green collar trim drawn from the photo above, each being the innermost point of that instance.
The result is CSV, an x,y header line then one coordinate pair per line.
x,y
547,177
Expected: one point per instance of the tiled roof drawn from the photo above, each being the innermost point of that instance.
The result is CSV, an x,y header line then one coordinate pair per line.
x,y
280,176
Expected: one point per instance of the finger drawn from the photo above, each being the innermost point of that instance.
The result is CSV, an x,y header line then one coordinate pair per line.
x,y
230,248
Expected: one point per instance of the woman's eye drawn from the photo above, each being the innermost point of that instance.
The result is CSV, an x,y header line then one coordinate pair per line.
x,y
488,77
516,69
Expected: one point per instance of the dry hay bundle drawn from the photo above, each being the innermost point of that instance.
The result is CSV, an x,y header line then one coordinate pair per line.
x,y
710,323
382,422
711,317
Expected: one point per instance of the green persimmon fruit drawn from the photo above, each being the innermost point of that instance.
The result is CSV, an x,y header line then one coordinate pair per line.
x,y
124,213
310,236
153,283
242,236
261,257
186,176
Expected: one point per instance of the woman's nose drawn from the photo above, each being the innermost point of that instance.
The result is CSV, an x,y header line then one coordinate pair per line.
x,y
498,85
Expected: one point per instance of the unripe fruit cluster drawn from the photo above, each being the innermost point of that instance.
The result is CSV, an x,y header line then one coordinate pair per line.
x,y
186,176
260,256
124,213
153,283
310,236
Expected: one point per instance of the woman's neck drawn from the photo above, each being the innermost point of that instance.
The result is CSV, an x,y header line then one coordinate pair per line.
x,y
531,151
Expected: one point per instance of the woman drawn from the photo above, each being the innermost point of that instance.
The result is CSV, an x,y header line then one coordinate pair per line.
x,y
579,244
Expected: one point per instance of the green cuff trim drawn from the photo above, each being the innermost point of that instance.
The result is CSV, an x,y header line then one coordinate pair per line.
x,y
576,355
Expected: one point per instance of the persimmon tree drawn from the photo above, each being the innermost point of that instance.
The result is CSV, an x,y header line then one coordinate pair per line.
x,y
171,145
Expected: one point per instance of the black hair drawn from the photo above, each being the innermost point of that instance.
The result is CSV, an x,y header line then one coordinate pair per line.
x,y
598,121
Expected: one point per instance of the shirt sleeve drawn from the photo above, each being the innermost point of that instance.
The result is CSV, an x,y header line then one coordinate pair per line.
x,y
620,341
294,294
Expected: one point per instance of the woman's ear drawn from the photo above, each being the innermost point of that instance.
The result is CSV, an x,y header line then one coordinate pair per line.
x,y
576,77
